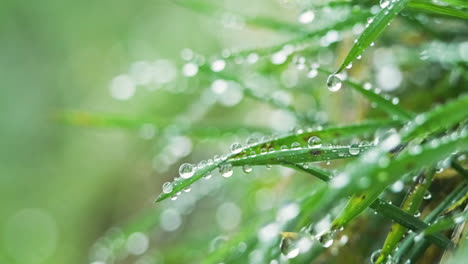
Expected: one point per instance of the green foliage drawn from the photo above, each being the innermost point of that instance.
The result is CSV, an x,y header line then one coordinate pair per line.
x,y
365,148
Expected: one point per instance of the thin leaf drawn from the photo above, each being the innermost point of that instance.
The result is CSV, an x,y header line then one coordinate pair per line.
x,y
379,22
386,105
437,9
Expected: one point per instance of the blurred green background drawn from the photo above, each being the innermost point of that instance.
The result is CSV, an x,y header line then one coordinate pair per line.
x,y
62,187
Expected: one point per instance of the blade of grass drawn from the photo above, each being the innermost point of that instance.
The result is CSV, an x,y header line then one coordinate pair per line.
x,y
387,106
438,9
411,205
379,22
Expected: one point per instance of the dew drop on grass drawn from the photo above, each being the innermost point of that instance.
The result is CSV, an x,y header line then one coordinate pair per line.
x,y
295,145
314,142
218,65
354,149
334,83
247,168
186,170
326,240
306,17
312,73
289,247
226,170
167,187
427,195
190,69
236,148
375,256
384,3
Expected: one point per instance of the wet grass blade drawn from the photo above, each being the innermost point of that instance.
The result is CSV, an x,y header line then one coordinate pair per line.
x,y
437,120
438,9
299,155
446,223
387,106
379,22
411,205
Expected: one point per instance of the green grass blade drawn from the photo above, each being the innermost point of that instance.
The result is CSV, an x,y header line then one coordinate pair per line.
x,y
446,223
179,184
437,120
386,105
410,205
299,155
438,9
409,221
373,30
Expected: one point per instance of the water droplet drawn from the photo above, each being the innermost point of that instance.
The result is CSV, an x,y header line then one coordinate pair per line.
x,y
236,148
187,189
417,214
252,140
306,17
354,149
190,69
314,142
186,170
375,256
284,148
289,247
326,240
427,195
312,73
295,145
218,65
349,66
167,187
226,170
334,83
247,168
384,3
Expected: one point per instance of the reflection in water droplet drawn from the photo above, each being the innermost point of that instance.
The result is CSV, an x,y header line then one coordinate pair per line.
x,y
167,187
354,149
226,170
186,170
384,3
236,148
247,168
326,240
314,142
334,83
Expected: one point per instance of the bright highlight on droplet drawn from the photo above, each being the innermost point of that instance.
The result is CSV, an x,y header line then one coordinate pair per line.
x,y
186,170
306,17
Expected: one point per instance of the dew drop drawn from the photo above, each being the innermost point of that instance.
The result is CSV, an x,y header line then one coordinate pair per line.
x,y
326,240
190,69
354,149
167,187
427,195
314,142
236,148
334,83
218,65
312,73
289,248
295,145
384,3
306,17
375,256
226,170
186,170
247,168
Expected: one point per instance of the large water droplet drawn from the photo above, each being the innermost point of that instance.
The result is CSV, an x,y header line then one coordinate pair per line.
x,y
326,240
167,187
289,246
247,168
295,145
226,170
375,256
354,149
186,170
236,148
314,142
334,83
